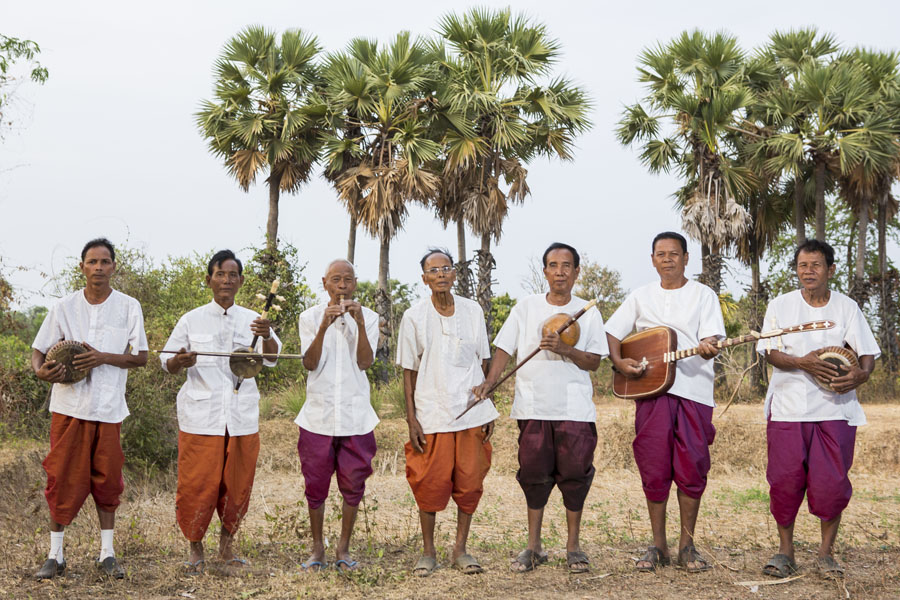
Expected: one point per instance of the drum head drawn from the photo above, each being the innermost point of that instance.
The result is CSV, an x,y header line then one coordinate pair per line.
x,y
842,358
64,352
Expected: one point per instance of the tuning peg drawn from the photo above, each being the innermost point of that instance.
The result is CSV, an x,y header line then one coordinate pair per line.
x,y
261,297
280,298
276,308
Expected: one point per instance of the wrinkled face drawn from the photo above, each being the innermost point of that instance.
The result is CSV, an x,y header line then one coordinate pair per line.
x,y
560,271
340,280
669,259
439,273
98,265
225,281
813,270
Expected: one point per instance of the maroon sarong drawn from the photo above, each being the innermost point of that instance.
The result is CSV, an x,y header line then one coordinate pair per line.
x,y
557,453
671,443
322,455
813,458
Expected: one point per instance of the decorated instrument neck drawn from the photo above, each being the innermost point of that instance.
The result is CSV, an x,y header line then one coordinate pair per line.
x,y
750,337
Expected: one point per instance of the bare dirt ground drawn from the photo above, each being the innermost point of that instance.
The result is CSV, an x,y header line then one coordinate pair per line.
x,y
735,529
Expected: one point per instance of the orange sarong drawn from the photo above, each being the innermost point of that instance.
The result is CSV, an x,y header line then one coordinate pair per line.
x,y
85,458
215,474
453,464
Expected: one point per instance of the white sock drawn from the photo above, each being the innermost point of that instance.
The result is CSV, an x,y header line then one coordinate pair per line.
x,y
56,545
106,544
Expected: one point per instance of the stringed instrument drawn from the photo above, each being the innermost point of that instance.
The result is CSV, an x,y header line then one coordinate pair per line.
x,y
656,349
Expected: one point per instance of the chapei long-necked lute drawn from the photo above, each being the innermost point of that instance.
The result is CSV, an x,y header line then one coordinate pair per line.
x,y
656,349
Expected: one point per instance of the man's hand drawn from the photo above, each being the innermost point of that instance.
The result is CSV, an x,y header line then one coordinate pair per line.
x,y
629,367
354,309
416,436
488,429
261,327
51,371
706,349
90,359
182,360
332,312
480,391
553,343
852,380
815,366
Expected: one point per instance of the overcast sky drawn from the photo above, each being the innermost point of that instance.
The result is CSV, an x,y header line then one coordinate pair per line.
x,y
109,146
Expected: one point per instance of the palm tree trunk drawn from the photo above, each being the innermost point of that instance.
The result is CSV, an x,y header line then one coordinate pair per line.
x,y
483,293
383,307
711,271
463,267
858,289
820,199
888,342
272,221
351,240
460,240
851,241
799,210
758,372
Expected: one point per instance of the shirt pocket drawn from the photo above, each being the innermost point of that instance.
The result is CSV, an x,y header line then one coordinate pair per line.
x,y
115,340
203,342
463,353
791,400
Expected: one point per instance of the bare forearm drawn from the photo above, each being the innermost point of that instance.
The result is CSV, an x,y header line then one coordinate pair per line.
x,y
783,361
498,364
409,391
314,352
867,363
270,346
585,361
126,361
615,348
37,360
364,355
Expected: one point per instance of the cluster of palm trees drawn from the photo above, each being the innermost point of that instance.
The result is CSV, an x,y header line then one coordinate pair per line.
x,y
759,140
449,122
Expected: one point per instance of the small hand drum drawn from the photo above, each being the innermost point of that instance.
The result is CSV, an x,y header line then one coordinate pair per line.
x,y
64,352
570,335
246,363
842,358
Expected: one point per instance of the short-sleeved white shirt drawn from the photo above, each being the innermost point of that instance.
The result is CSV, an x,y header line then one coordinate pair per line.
x,y
551,387
693,311
337,391
116,325
794,395
206,403
447,352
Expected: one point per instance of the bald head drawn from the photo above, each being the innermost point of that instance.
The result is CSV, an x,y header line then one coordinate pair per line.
x,y
340,262
339,280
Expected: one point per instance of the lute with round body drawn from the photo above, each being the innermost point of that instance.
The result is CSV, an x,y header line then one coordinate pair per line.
x,y
842,358
64,352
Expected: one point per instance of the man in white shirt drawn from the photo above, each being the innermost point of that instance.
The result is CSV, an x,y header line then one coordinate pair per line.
x,y
553,403
811,431
218,438
337,420
673,431
85,451
443,349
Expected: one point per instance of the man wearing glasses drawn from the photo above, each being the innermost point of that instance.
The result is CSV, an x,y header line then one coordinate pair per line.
x,y
444,351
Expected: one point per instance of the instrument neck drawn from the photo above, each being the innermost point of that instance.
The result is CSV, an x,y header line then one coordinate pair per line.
x,y
688,352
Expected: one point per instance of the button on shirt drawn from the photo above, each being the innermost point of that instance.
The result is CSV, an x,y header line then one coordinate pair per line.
x,y
447,353
207,403
693,311
794,395
116,325
337,391
551,387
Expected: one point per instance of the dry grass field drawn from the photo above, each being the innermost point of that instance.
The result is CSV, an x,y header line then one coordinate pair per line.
x,y
735,527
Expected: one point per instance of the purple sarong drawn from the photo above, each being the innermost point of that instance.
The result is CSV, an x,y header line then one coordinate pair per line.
x,y
322,455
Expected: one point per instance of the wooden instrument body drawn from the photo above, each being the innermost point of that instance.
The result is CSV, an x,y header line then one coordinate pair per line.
x,y
64,352
649,347
569,336
841,357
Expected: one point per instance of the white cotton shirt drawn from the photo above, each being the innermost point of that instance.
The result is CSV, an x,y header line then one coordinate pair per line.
x,y
116,325
550,387
337,391
447,353
207,403
693,311
794,395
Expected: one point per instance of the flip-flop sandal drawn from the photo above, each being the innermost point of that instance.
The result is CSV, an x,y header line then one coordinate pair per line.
x,y
573,559
689,554
830,568
313,566
528,560
345,565
193,568
780,566
425,566
236,566
468,564
655,557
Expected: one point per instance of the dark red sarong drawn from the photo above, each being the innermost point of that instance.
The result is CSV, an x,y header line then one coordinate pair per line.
x,y
323,455
557,453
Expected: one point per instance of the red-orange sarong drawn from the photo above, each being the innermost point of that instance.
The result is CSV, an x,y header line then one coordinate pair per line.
x,y
215,474
453,464
85,458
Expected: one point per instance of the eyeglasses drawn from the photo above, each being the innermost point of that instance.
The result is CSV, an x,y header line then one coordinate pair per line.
x,y
436,270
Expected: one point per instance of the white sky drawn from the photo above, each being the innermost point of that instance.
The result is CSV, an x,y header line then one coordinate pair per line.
x,y
109,147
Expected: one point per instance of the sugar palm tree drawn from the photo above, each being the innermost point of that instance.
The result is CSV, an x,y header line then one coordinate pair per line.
x,y
493,80
379,100
266,115
696,87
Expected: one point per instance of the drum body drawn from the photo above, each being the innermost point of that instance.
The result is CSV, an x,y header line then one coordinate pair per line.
x,y
64,352
648,346
843,358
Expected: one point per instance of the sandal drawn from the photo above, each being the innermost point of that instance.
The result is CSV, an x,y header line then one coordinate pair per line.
x,y
780,566
655,557
193,568
528,560
468,564
688,555
573,559
830,568
236,566
345,565
312,566
425,566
